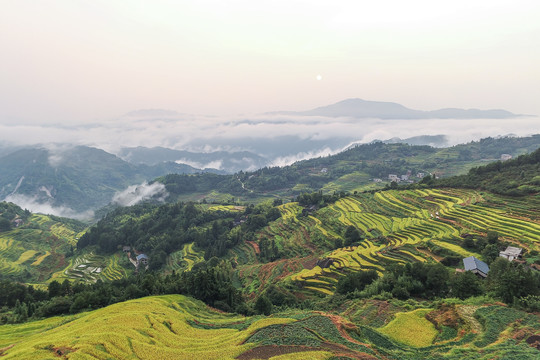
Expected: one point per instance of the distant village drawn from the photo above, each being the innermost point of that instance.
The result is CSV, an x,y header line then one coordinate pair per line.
x,y
411,178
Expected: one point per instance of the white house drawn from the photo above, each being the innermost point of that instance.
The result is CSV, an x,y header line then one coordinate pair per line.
x,y
511,253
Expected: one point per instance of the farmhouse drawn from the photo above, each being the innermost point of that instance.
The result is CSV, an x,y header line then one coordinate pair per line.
x,y
126,249
141,259
476,266
511,253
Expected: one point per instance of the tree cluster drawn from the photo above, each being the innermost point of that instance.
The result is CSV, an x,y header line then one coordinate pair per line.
x,y
209,281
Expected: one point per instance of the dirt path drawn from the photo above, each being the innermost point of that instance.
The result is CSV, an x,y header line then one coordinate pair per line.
x,y
342,324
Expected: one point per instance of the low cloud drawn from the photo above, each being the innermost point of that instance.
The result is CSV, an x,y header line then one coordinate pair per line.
x,y
253,133
216,164
35,206
134,194
287,160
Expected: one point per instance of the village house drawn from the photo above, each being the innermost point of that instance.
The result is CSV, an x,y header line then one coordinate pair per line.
x,y
511,253
505,157
142,259
476,266
393,177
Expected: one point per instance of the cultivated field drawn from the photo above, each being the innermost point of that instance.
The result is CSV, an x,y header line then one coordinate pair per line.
x,y
399,226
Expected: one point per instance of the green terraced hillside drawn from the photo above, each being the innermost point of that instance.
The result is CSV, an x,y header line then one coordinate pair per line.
x,y
179,327
398,226
38,247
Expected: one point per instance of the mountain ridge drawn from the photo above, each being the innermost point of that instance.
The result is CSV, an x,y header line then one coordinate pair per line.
x,y
359,108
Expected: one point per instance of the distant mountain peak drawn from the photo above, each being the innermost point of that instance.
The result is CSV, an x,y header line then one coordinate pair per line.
x,y
360,108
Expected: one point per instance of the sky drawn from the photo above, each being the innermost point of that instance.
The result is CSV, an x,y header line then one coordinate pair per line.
x,y
74,61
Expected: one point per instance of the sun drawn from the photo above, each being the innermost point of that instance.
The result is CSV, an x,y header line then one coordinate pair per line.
x,y
318,77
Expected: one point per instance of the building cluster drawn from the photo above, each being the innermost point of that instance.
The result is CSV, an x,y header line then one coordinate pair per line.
x,y
481,269
141,260
409,177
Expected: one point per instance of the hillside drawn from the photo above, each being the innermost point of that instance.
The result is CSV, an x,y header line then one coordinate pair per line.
x,y
515,177
35,246
178,327
360,168
73,180
330,275
229,162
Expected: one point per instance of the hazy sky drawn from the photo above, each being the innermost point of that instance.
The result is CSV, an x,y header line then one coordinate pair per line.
x,y
75,60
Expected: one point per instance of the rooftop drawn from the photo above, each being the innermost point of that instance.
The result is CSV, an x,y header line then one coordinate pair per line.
x,y
512,251
472,263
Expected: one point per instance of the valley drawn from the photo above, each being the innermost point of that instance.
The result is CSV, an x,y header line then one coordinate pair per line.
x,y
344,273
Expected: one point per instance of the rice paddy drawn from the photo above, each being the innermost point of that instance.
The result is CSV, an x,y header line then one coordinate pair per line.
x,y
411,328
164,327
395,224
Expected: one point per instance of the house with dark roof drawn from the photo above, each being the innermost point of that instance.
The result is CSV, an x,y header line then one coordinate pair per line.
x,y
476,266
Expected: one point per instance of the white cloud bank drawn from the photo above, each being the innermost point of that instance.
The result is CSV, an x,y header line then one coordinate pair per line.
x,y
35,206
252,133
134,194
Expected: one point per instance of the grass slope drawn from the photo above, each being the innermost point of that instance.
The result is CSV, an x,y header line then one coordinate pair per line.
x,y
165,327
179,327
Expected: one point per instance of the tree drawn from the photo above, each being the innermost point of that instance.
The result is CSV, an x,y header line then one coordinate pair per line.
x,y
356,281
490,253
55,289
65,288
352,235
492,237
5,224
437,280
465,285
509,280
468,243
263,305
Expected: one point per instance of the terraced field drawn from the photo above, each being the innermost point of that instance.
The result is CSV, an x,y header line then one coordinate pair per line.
x,y
233,208
90,267
166,327
36,248
398,225
179,327
183,260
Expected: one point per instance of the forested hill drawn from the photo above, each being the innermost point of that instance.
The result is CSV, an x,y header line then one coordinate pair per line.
x,y
79,178
355,169
520,176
